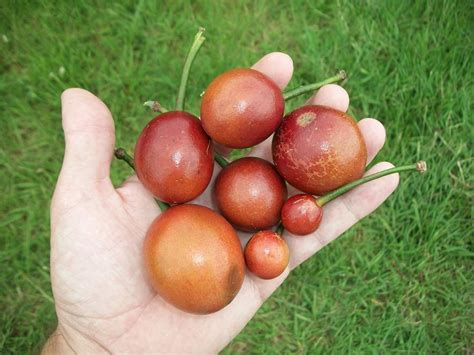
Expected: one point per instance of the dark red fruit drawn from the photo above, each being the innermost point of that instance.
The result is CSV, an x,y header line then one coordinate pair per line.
x,y
318,149
301,214
267,254
174,157
194,259
250,193
241,108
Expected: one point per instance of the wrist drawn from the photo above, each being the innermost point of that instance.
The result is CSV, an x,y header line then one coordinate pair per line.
x,y
60,343
57,344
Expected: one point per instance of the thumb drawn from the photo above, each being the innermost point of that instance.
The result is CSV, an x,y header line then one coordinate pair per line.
x,y
90,137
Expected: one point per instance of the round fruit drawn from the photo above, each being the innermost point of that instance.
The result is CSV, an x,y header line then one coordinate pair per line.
x,y
266,254
318,149
250,194
194,259
301,214
174,157
241,108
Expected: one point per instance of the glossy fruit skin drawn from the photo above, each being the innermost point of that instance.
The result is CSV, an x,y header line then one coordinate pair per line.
x,y
194,259
174,157
267,254
301,214
318,149
250,194
241,108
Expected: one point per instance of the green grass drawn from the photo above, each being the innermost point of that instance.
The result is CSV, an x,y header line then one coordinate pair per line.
x,y
400,281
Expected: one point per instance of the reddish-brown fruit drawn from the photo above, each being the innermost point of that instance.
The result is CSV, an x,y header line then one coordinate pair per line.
x,y
241,108
301,214
267,254
194,259
174,157
318,149
250,193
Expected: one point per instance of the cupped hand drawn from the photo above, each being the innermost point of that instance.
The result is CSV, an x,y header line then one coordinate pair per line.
x,y
103,299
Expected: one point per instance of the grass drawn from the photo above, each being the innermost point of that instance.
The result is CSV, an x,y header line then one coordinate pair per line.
x,y
399,282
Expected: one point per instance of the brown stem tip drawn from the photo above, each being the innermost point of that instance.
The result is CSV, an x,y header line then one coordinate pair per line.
x,y
155,106
119,153
421,166
343,74
122,154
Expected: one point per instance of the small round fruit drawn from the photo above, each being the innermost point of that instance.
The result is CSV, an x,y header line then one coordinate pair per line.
x,y
241,108
318,149
194,259
174,157
250,194
301,214
267,254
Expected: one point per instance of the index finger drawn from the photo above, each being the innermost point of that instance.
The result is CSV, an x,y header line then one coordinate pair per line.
x,y
277,66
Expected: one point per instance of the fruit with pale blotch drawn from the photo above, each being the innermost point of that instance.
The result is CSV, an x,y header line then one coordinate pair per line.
x,y
194,259
318,149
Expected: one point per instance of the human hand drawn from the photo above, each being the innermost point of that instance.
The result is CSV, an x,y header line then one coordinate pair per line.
x,y
103,299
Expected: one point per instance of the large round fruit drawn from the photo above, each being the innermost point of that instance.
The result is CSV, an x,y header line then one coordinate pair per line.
x,y
241,108
174,157
194,259
250,194
318,149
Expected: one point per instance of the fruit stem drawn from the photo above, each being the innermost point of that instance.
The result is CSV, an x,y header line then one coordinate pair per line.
x,y
280,229
155,106
419,166
312,87
162,205
198,41
221,160
121,154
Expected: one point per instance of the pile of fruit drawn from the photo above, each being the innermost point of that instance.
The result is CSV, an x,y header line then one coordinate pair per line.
x,y
193,254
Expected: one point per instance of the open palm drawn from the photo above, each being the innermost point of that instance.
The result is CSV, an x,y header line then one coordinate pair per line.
x,y
104,301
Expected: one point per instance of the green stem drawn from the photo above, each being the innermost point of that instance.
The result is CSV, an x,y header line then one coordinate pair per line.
x,y
198,41
162,205
419,166
235,154
280,229
155,106
221,160
122,154
312,87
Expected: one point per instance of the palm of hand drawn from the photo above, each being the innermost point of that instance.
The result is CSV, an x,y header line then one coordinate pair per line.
x,y
103,298
101,288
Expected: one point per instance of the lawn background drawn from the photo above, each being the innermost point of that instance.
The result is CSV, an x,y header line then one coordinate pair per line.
x,y
400,281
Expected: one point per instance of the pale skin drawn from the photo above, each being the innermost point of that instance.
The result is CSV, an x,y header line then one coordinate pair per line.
x,y
104,301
